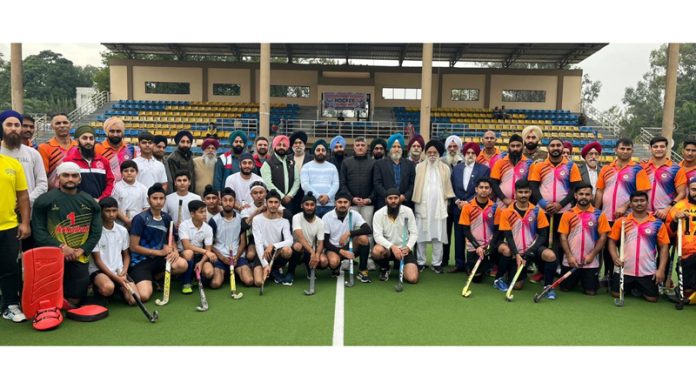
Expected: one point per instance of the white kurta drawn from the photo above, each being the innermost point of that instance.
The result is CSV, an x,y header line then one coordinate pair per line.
x,y
429,226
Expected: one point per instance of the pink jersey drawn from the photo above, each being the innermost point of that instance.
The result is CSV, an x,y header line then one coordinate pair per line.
x,y
507,174
583,229
554,180
665,180
618,184
524,229
481,221
641,245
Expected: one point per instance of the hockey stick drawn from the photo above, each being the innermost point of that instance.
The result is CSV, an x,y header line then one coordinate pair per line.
x,y
551,233
404,237
680,271
233,284
152,317
538,296
508,295
167,270
619,301
204,301
312,278
350,281
270,265
466,292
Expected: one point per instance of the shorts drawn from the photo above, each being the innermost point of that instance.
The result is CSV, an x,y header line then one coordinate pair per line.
x,y
75,279
531,257
689,272
589,279
472,257
410,258
646,284
221,265
147,269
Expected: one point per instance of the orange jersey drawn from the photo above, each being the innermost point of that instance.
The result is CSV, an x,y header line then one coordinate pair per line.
x,y
642,243
481,220
525,228
665,181
554,180
115,156
507,174
618,184
583,229
483,159
688,226
689,171
52,154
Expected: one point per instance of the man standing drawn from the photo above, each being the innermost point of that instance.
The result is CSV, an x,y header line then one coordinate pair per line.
x,y
646,248
668,180
228,163
159,148
181,158
298,142
464,180
490,154
70,219
689,162
260,153
15,196
532,139
454,154
431,193
615,184
205,165
590,170
241,182
378,148
583,232
567,150
321,178
97,179
394,172
338,151
150,170
356,179
114,149
54,151
508,170
389,224
280,172
415,149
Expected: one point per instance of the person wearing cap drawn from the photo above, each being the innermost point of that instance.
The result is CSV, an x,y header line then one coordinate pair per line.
x,y
97,177
241,182
454,156
590,169
338,231
260,152
150,169
205,164
490,154
415,149
298,143
531,136
390,224
14,195
394,172
378,148
114,148
567,150
321,178
54,151
338,151
465,177
280,173
69,218
668,180
431,194
228,163
181,159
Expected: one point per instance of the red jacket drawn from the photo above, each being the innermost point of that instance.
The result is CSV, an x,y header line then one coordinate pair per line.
x,y
97,177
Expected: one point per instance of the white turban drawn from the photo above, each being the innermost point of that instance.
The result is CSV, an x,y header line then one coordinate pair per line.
x,y
67,167
455,139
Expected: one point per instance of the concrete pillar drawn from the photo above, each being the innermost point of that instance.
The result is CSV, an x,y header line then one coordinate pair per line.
x,y
670,91
426,90
265,90
17,74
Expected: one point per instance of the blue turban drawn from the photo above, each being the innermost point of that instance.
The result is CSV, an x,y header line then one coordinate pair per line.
x,y
398,137
338,139
14,114
237,133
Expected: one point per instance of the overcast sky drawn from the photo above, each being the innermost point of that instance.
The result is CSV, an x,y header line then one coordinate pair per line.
x,y
617,66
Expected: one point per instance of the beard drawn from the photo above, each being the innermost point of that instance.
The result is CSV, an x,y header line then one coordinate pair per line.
x,y
281,152
584,202
13,140
87,153
246,171
531,146
209,159
692,199
453,159
262,152
339,154
469,160
555,153
320,157
416,154
298,150
395,156
115,140
393,211
309,215
515,155
341,214
237,149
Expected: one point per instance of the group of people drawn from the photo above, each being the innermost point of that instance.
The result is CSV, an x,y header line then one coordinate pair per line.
x,y
111,207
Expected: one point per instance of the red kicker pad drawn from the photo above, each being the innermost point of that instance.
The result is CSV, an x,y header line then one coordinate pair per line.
x,y
43,280
87,313
47,319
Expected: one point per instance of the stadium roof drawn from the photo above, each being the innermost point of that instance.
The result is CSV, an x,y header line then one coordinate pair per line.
x,y
560,54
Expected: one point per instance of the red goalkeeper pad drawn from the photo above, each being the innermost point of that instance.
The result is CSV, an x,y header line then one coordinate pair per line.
x,y
87,313
47,319
43,280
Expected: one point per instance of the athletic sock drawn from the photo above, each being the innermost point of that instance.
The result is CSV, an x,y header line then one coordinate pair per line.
x,y
504,265
549,272
363,253
187,277
296,257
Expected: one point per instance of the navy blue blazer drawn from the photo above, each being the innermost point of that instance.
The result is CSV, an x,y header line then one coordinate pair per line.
x,y
457,177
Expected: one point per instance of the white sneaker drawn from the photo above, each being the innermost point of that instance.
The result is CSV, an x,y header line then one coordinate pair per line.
x,y
13,313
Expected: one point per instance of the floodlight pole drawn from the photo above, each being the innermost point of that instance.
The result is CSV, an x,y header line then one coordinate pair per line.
x,y
265,90
670,92
17,74
426,86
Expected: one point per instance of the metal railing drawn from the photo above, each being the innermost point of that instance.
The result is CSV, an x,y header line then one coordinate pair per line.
x,y
604,119
97,101
647,133
329,129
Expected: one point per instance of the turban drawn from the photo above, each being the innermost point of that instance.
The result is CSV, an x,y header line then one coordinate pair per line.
x,y
343,195
67,167
473,146
159,139
529,129
318,143
455,139
398,137
209,190
437,144
378,141
309,196
338,139
567,145
257,184
181,134
112,121
301,135
590,146
392,192
280,138
246,156
10,114
416,138
210,141
84,130
236,134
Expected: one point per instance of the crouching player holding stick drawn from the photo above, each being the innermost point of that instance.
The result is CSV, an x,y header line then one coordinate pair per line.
x,y
478,219
230,243
685,210
196,244
646,236
271,232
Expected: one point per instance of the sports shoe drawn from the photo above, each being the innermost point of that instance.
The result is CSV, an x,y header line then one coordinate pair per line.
x,y
12,312
500,284
364,277
437,269
493,271
421,267
536,278
336,272
551,294
288,280
277,276
187,289
384,274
